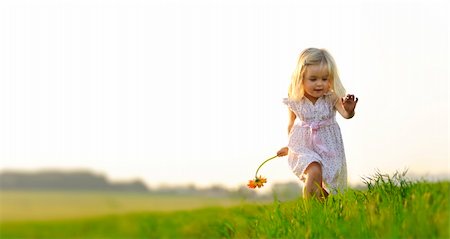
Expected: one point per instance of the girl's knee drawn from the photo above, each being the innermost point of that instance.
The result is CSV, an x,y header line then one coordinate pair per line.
x,y
314,169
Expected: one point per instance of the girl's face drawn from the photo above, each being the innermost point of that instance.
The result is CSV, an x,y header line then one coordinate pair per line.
x,y
316,82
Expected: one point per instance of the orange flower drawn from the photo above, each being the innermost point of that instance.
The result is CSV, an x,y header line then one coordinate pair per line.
x,y
263,180
258,182
251,184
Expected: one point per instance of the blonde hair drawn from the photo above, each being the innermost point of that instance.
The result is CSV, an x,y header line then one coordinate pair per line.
x,y
314,56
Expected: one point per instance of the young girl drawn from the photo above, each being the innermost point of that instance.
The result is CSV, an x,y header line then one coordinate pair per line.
x,y
315,149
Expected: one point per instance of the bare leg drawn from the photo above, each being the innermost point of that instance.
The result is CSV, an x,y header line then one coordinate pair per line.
x,y
313,183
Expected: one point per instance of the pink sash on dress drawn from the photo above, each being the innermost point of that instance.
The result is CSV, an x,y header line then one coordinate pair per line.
x,y
315,141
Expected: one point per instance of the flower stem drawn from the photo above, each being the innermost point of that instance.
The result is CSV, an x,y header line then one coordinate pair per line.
x,y
267,160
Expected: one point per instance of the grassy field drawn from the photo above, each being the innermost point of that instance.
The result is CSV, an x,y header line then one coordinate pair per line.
x,y
48,205
390,208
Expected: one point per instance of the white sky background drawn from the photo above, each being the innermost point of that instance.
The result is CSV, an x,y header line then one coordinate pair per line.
x,y
185,92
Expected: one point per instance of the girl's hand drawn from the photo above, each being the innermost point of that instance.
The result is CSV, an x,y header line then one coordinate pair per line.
x,y
349,103
283,152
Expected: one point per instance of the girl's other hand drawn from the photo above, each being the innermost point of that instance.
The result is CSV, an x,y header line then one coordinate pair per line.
x,y
283,152
349,103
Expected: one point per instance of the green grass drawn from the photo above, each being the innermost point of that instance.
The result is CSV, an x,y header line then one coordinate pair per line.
x,y
391,207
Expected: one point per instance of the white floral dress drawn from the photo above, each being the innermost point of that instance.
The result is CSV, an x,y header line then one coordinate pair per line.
x,y
316,137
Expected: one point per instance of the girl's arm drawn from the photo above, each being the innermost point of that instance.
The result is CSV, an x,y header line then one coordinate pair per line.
x,y
284,151
292,118
346,106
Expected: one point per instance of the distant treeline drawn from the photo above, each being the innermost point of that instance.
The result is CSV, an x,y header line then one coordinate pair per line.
x,y
89,181
56,180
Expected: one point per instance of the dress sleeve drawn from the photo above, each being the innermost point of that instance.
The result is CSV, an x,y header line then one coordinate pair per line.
x,y
287,102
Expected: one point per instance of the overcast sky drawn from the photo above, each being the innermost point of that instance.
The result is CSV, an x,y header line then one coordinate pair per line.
x,y
185,91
